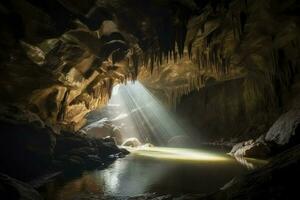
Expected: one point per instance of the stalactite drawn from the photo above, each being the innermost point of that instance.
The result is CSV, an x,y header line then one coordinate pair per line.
x,y
243,18
246,3
180,36
108,83
160,58
190,45
175,93
135,60
152,62
175,57
233,27
145,59
198,58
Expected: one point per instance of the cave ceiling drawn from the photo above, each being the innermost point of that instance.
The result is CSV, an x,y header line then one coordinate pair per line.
x,y
61,58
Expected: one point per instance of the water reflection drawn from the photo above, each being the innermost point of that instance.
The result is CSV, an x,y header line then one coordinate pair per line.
x,y
147,171
250,163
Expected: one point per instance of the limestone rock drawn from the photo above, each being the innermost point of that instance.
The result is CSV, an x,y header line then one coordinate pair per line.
x,y
103,128
131,142
286,129
251,149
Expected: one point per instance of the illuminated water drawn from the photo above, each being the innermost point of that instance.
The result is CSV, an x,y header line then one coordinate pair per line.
x,y
160,170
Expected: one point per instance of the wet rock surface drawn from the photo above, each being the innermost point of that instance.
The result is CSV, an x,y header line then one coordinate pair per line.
x,y
79,152
251,149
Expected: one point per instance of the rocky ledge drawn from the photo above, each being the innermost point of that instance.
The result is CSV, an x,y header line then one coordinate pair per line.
x,y
30,149
283,134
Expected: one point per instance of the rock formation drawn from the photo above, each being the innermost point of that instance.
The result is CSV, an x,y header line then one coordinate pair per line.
x,y
283,134
285,131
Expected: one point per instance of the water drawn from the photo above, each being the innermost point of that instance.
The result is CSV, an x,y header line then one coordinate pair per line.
x,y
160,170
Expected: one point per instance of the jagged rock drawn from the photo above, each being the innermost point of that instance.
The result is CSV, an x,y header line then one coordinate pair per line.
x,y
67,143
77,152
91,49
14,189
103,128
251,149
286,130
108,148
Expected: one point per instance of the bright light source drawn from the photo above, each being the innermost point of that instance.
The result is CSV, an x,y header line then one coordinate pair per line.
x,y
147,118
177,154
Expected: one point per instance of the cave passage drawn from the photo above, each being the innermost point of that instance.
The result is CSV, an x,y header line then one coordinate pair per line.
x,y
149,99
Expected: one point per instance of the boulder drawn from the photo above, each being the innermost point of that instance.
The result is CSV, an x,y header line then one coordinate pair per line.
x,y
103,128
251,148
283,134
132,142
286,129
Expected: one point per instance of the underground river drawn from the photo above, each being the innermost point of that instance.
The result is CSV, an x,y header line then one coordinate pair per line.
x,y
173,171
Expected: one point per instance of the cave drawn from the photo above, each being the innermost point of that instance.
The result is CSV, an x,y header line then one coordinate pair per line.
x,y
149,99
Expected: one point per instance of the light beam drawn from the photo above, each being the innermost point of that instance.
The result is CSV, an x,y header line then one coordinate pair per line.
x,y
183,154
147,117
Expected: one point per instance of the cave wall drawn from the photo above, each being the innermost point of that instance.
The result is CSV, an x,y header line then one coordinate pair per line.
x,y
218,112
260,38
50,60
249,50
61,59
